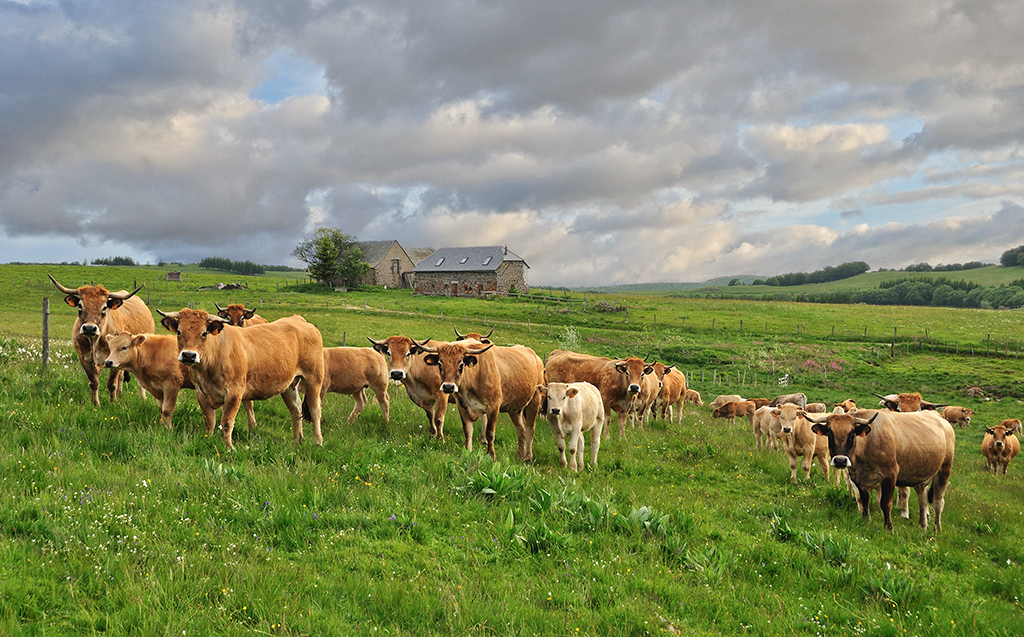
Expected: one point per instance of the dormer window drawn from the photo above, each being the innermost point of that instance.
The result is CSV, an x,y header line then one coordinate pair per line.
x,y
487,261
439,262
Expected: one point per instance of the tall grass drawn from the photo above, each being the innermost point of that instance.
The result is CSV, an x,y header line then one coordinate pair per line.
x,y
110,523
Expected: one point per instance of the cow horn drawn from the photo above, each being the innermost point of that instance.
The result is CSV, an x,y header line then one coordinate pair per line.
x,y
62,288
488,334
125,296
646,357
219,308
477,352
172,315
459,334
815,418
384,342
889,404
425,341
429,350
865,421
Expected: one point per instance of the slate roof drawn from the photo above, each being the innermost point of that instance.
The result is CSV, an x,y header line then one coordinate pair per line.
x,y
418,254
374,251
473,259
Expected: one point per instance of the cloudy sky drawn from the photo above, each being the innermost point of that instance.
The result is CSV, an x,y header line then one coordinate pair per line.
x,y
605,141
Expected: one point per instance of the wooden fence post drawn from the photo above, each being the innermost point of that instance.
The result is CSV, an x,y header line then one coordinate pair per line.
x,y
46,332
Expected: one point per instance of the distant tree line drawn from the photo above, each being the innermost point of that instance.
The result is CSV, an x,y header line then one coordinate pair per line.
x,y
238,267
114,261
922,292
837,273
951,267
1013,256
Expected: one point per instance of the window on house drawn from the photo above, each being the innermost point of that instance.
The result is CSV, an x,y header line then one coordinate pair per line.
x,y
487,261
439,262
463,259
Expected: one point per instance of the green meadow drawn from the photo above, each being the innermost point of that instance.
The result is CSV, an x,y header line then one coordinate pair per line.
x,y
112,524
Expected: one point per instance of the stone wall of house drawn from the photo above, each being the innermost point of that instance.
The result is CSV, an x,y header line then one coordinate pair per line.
x,y
385,274
468,283
512,274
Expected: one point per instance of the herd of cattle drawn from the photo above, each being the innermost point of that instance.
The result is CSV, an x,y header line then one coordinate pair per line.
x,y
234,357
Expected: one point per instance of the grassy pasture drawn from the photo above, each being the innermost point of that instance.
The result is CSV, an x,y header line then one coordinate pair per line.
x,y
111,524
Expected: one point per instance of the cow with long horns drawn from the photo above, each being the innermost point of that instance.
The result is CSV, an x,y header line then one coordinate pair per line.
x,y
422,382
101,313
237,315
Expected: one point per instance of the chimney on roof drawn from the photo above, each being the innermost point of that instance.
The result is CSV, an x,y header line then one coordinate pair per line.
x,y
505,248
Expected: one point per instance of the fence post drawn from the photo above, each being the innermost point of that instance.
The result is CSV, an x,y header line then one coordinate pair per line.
x,y
344,337
46,332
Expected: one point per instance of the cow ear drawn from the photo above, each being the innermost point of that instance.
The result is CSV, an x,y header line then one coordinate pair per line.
x,y
541,389
224,314
71,300
432,360
214,327
821,430
648,369
249,314
862,430
170,323
138,339
572,391
113,304
469,361
109,336
621,368
990,431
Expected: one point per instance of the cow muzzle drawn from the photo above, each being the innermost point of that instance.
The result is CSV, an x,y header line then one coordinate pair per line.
x,y
999,444
554,411
787,430
840,462
634,389
449,388
89,330
188,357
109,364
398,374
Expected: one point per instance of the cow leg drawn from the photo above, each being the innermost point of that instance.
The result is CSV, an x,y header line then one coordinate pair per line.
x,y
922,505
864,502
491,423
209,412
556,431
467,428
290,397
937,492
887,489
903,501
93,375
607,422
437,418
525,444
227,417
167,399
114,380
357,408
380,390
250,416
576,449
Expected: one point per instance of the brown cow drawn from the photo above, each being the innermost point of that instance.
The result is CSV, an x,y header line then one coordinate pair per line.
x,y
1000,445
907,402
725,398
798,440
619,381
759,402
574,409
154,361
486,380
692,396
422,382
101,313
670,397
848,405
350,370
473,336
237,315
231,364
731,410
887,450
815,408
958,415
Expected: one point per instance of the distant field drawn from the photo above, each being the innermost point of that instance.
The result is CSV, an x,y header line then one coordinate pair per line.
x,y
111,524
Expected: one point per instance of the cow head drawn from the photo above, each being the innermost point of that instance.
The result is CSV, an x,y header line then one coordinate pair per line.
x,y
235,313
476,336
398,350
1002,430
122,348
842,431
451,359
788,414
634,369
192,328
558,396
93,303
660,371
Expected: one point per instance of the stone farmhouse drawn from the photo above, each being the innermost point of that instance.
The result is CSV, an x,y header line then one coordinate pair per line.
x,y
391,265
475,271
